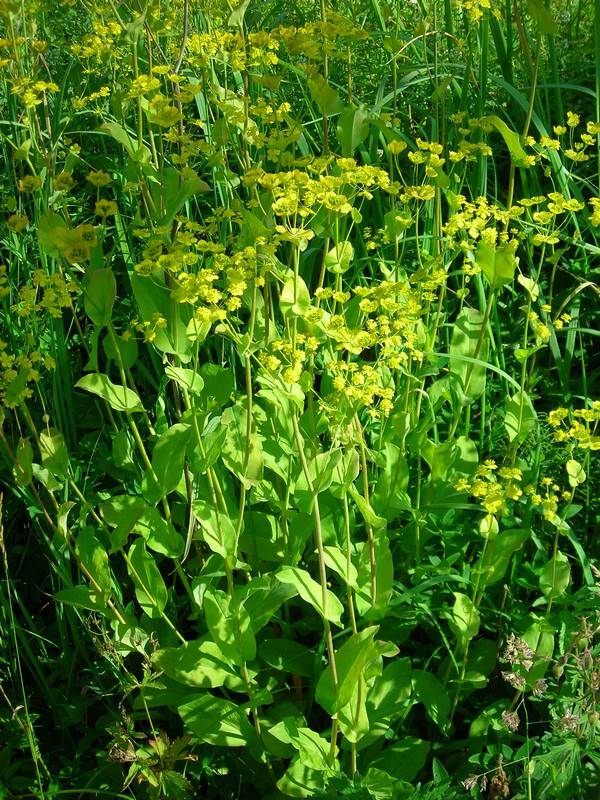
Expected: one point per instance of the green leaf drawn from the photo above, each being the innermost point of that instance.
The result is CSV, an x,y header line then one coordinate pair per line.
x,y
511,139
350,660
230,627
122,512
236,18
218,383
542,17
153,299
384,575
241,454
294,300
95,559
465,619
80,597
53,233
496,557
217,529
173,191
167,463
576,473
520,418
53,450
498,262
310,591
118,398
121,346
326,98
99,294
403,759
429,691
313,748
389,497
336,559
339,258
466,333
23,469
188,379
150,589
262,597
199,663
216,721
352,129
555,576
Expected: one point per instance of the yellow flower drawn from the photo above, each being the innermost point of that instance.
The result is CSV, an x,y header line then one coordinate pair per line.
x,y
30,183
17,222
106,208
99,178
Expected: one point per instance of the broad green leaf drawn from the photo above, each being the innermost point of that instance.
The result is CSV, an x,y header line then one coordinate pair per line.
x,y
336,559
217,529
287,655
167,463
555,576
388,695
350,661
99,294
294,300
153,299
389,497
188,379
310,591
53,450
464,344
326,98
80,597
312,747
173,191
511,139
576,473
465,619
127,141
218,383
201,664
118,398
262,597
242,454
300,780
353,719
498,262
216,721
352,129
236,18
121,346
150,589
520,418
496,558
366,509
339,258
132,514
542,17
403,759
95,559
23,470
53,233
230,626
429,691
384,578
467,457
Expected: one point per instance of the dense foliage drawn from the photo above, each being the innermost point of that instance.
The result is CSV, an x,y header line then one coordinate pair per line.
x,y
298,427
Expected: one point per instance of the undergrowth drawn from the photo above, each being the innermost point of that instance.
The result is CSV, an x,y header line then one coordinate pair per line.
x,y
299,399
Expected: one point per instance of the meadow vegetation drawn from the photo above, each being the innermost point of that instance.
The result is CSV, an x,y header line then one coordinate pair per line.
x,y
299,399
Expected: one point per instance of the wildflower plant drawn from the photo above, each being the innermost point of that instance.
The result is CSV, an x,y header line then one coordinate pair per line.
x,y
297,402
